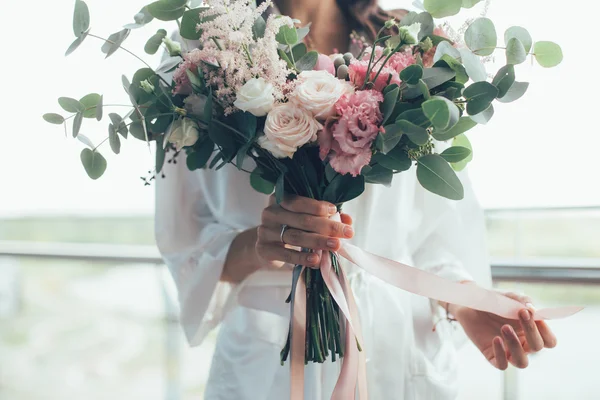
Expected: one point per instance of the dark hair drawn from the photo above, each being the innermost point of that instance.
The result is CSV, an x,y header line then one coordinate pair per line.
x,y
367,16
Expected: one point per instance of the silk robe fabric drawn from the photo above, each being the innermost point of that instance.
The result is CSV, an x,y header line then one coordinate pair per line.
x,y
198,214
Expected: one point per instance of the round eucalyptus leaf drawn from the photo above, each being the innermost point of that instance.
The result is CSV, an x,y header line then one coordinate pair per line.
x,y
81,18
113,139
547,54
287,35
442,113
167,10
99,108
469,3
481,37
85,140
93,162
463,125
76,43
260,184
516,91
70,105
411,74
515,52
504,79
462,141
520,33
153,44
473,65
114,41
445,48
442,8
479,96
54,118
435,175
455,154
77,121
485,116
308,61
90,102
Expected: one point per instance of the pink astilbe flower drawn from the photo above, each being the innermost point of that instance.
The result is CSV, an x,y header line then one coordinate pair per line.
x,y
347,138
358,74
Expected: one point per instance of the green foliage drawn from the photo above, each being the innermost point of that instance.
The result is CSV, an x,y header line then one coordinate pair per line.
x,y
90,102
448,61
378,174
141,18
473,65
469,3
93,162
308,61
389,102
81,18
54,118
199,156
462,126
113,139
114,41
433,77
442,8
411,74
99,108
153,44
343,188
485,116
517,32
462,141
455,154
515,52
76,43
259,27
189,21
547,54
442,113
70,105
479,96
167,10
390,138
516,91
77,121
504,79
435,175
287,35
481,37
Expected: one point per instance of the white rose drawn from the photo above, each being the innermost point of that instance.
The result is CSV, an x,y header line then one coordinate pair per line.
x,y
318,91
287,128
271,147
256,97
184,132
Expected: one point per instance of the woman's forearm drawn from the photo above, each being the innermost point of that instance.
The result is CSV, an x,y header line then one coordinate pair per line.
x,y
241,259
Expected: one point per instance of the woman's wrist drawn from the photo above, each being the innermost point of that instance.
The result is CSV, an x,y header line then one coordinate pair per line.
x,y
241,259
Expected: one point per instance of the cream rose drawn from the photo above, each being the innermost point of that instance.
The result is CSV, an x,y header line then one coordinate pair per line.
x,y
318,91
184,132
255,97
287,128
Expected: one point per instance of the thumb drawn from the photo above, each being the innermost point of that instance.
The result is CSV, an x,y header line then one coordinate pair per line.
x,y
521,298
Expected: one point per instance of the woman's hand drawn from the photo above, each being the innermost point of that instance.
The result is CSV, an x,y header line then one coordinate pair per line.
x,y
309,227
502,340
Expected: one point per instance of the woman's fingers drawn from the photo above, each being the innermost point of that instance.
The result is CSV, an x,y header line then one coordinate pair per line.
x,y
305,205
535,342
296,237
500,353
277,216
518,357
276,252
346,219
547,335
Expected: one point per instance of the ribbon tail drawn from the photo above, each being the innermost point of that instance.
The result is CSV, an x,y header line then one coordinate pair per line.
x,y
298,329
434,287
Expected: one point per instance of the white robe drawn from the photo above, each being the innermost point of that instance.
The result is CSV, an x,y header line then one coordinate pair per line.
x,y
199,213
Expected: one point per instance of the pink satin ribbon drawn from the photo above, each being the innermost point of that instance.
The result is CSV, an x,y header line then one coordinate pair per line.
x,y
353,372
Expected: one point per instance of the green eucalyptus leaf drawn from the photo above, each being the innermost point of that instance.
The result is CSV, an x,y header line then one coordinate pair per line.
x,y
416,116
299,50
308,61
485,116
516,91
113,139
469,3
433,77
442,8
462,141
396,159
81,18
167,10
389,102
412,74
424,89
139,95
287,35
119,124
114,41
417,134
343,188
77,121
303,32
461,73
473,65
90,102
389,138
93,162
481,37
442,113
141,18
189,22
280,187
464,124
424,18
54,118
479,96
455,154
547,54
86,140
379,174
76,43
445,48
259,28
435,175
70,105
159,159
520,33
153,44
504,79
515,52
199,157
99,108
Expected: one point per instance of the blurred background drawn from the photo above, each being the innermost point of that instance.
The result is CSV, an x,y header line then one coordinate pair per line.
x,y
87,310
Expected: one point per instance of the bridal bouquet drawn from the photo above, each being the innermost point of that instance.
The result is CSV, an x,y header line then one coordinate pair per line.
x,y
315,125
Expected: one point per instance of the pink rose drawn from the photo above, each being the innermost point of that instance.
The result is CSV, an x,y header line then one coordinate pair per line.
x,y
324,63
347,139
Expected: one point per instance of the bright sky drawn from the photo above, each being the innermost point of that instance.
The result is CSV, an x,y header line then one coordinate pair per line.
x,y
539,151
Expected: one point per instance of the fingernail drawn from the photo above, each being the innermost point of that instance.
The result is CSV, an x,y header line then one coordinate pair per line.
x,y
313,258
530,306
332,243
525,316
332,209
348,231
506,330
